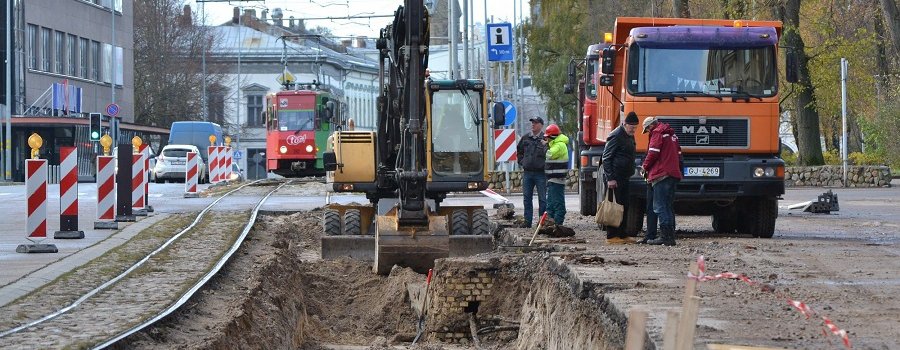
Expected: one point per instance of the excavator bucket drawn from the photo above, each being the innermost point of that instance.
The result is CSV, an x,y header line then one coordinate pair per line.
x,y
416,247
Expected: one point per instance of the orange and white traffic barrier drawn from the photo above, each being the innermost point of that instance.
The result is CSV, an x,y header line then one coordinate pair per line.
x,y
145,153
36,192
137,184
191,174
36,195
213,173
106,195
68,194
222,160
229,153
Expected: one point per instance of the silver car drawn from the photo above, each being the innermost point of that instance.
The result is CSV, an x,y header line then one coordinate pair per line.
x,y
170,164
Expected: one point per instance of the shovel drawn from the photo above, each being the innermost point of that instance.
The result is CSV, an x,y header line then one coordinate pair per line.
x,y
420,326
540,223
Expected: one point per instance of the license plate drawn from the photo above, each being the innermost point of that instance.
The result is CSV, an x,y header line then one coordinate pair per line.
x,y
177,162
702,171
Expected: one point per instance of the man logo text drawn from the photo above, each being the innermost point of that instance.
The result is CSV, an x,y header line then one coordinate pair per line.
x,y
702,129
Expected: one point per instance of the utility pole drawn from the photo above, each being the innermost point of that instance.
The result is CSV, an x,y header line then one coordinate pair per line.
x,y
203,107
465,71
451,32
844,145
7,108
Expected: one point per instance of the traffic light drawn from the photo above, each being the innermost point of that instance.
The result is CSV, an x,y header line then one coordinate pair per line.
x,y
95,126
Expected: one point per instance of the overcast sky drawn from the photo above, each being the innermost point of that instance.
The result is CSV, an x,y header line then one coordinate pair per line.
x,y
216,13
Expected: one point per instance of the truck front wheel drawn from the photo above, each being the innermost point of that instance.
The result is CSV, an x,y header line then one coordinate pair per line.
x,y
760,215
634,216
588,195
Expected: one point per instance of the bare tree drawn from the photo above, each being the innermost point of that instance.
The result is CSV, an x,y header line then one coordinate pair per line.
x,y
892,17
806,123
168,79
681,8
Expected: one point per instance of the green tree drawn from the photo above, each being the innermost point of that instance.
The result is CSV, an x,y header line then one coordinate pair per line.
x,y
558,38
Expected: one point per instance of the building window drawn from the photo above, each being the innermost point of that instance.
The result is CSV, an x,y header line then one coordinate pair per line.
x,y
119,66
59,57
32,46
106,75
72,50
254,110
85,62
46,48
95,60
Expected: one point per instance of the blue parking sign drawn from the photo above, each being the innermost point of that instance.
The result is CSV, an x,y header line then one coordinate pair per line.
x,y
500,42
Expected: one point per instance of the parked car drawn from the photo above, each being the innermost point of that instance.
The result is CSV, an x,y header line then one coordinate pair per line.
x,y
115,154
172,161
236,174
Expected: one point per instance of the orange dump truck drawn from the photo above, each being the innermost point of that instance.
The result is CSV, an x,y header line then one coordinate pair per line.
x,y
716,83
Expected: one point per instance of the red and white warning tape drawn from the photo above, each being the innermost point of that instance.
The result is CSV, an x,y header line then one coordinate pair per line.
x,y
805,309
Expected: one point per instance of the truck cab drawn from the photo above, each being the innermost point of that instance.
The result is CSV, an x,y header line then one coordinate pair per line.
x,y
715,82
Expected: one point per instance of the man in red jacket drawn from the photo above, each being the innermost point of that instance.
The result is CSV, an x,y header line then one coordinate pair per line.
x,y
662,168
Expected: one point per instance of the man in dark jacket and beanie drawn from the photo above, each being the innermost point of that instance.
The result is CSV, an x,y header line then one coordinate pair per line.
x,y
663,171
618,166
531,153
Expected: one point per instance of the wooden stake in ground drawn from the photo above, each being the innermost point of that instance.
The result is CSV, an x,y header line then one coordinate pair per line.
x,y
690,310
637,328
670,333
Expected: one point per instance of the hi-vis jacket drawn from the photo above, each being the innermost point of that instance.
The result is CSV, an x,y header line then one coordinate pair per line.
x,y
557,163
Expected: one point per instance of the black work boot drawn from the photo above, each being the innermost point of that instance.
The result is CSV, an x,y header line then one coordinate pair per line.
x,y
666,236
648,236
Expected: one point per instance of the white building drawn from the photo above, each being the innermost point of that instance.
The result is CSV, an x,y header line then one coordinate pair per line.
x,y
264,50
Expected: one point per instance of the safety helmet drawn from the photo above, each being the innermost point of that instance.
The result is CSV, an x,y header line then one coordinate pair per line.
x,y
552,131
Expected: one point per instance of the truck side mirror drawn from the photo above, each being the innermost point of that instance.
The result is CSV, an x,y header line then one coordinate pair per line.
x,y
499,114
569,87
790,67
605,80
329,160
608,61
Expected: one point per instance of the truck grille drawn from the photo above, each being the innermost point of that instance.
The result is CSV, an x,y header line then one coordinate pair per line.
x,y
715,133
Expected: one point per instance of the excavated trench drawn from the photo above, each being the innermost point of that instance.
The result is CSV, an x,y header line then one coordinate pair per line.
x,y
277,294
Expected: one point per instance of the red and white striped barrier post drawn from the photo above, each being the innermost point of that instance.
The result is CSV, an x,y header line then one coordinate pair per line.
x,y
221,154
68,195
137,184
191,174
213,173
229,153
505,149
145,153
106,196
36,195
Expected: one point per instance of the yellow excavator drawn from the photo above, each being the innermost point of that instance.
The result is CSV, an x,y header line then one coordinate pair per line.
x,y
431,139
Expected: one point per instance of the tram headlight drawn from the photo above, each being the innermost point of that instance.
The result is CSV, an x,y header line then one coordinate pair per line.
x,y
309,148
282,149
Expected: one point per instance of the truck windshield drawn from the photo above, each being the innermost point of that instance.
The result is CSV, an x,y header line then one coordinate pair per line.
x,y
718,72
295,120
456,134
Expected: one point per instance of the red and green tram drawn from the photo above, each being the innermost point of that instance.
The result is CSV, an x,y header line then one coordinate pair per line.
x,y
298,123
